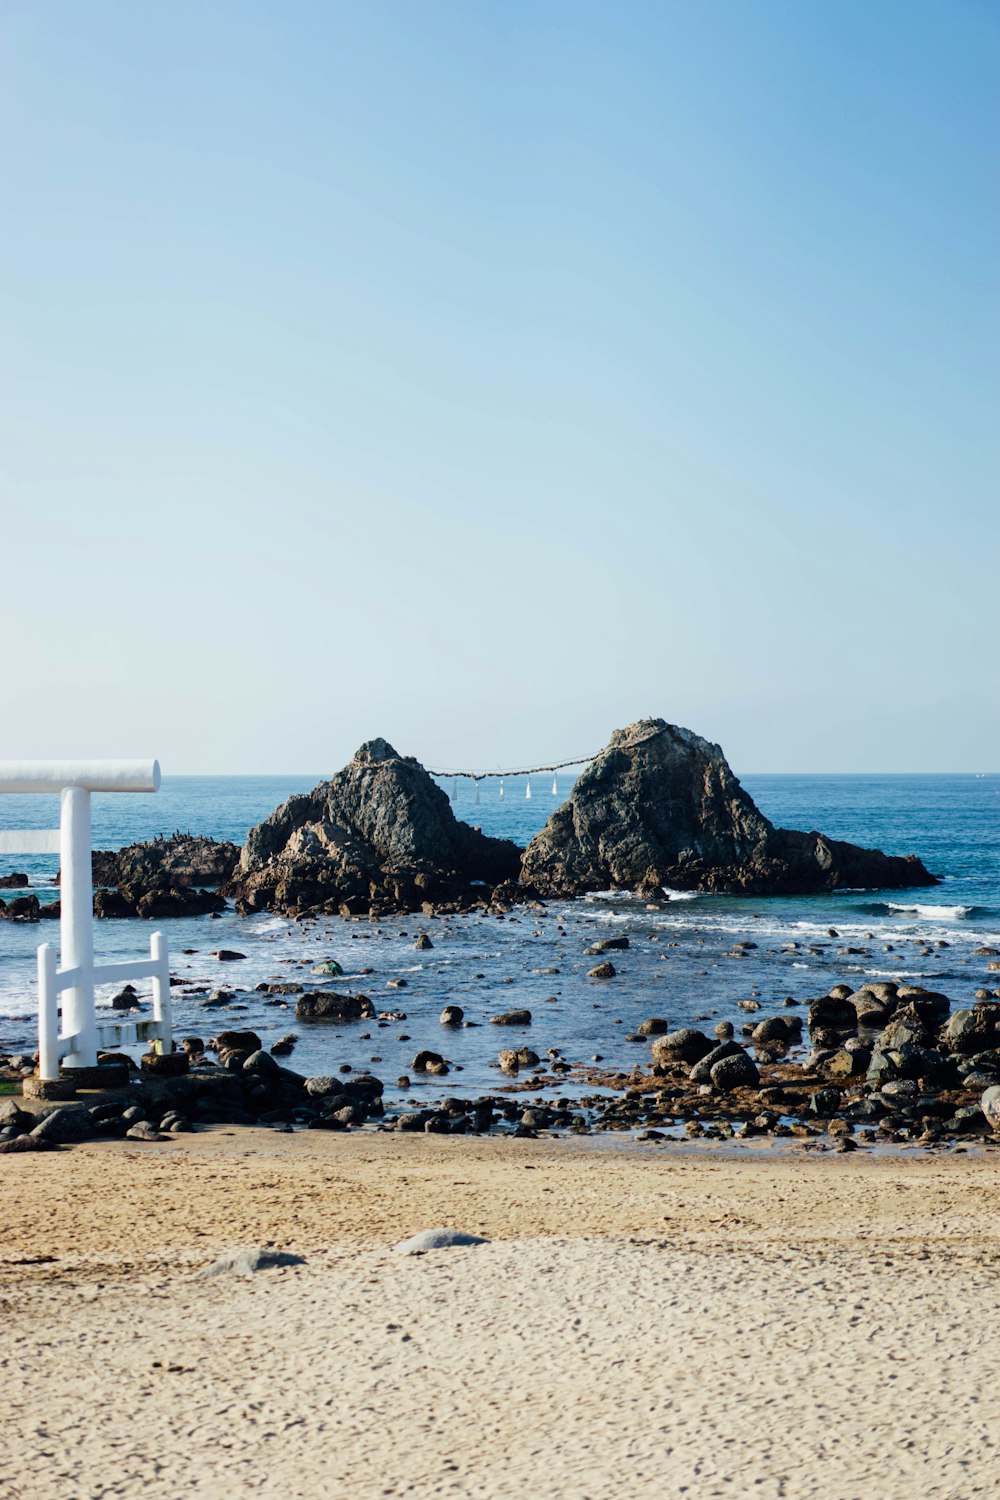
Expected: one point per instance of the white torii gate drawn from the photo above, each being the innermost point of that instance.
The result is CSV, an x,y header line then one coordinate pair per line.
x,y
74,974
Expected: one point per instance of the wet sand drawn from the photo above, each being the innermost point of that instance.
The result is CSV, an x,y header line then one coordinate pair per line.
x,y
645,1322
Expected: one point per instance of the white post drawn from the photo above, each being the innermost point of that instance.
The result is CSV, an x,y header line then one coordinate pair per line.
x,y
162,1011
77,924
48,1014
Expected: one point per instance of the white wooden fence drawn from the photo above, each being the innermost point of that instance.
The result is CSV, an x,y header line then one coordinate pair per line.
x,y
68,1028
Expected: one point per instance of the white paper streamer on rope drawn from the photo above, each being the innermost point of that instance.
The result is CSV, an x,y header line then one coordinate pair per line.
x,y
555,784
527,789
501,788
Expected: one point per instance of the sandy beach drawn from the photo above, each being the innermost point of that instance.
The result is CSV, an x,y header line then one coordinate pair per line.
x,y
667,1321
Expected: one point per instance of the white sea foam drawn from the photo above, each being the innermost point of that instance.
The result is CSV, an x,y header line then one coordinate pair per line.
x,y
945,913
672,895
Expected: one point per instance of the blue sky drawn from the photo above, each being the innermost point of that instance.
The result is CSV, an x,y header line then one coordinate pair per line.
x,y
489,375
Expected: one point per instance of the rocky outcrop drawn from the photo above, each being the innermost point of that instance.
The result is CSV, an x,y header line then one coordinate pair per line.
x,y
661,807
381,833
177,863
21,909
174,877
156,902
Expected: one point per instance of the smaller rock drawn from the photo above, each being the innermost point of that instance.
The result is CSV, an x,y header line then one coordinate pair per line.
x,y
321,1087
245,1262
425,1061
437,1239
608,945
990,1106
735,1072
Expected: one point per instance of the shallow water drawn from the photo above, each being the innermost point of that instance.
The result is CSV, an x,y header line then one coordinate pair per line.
x,y
678,966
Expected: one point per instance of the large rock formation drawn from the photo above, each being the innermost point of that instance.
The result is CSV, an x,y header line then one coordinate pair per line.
x,y
381,833
660,807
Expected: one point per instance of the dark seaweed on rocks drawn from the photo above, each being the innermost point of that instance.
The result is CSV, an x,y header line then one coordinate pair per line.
x,y
661,807
379,833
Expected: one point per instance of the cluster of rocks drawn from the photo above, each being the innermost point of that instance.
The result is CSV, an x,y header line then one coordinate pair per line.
x,y
893,1061
887,1062
126,901
178,876
658,807
167,877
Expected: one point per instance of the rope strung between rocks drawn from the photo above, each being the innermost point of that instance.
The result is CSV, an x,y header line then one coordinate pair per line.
x,y
560,765
579,760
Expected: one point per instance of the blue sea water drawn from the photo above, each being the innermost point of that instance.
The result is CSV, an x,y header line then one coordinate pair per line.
x,y
679,966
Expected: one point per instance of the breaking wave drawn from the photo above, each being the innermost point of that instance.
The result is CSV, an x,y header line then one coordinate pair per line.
x,y
946,913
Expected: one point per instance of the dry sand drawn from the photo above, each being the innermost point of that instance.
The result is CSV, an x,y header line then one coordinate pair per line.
x,y
643,1323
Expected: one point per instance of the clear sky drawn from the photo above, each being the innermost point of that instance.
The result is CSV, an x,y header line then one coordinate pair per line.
x,y
487,374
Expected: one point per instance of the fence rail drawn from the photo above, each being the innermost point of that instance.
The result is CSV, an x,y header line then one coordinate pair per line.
x,y
55,1044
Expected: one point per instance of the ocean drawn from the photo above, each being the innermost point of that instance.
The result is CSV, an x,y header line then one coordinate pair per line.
x,y
680,965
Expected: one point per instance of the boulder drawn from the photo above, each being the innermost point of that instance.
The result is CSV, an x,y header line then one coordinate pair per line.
x,y
905,1028
846,1063
236,1041
974,1030
661,807
930,1005
21,909
833,1013
990,1106
380,833
608,945
325,1005
426,1062
602,971
737,1071
14,882
688,1045
64,1125
322,1087
512,1018
702,1071
786,1029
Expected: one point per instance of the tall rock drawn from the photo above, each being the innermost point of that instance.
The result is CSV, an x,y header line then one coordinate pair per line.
x,y
381,833
661,807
